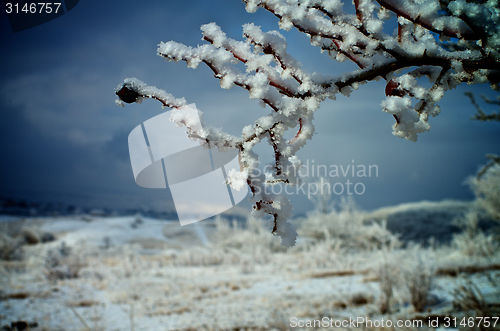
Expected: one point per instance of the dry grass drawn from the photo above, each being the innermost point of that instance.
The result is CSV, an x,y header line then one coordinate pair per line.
x,y
469,301
62,263
455,271
388,279
253,237
348,229
418,275
11,248
338,273
278,321
472,241
83,303
359,299
487,191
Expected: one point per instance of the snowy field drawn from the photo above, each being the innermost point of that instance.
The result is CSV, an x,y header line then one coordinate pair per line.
x,y
137,273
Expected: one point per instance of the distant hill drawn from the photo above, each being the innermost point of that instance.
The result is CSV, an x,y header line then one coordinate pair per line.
x,y
419,221
25,208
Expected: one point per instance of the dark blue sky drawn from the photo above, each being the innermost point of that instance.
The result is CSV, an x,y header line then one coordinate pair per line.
x,y
63,139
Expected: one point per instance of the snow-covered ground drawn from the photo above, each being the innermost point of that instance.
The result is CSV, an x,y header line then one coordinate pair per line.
x,y
137,273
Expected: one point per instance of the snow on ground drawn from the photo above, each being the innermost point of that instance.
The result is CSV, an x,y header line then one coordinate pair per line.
x,y
119,230
136,273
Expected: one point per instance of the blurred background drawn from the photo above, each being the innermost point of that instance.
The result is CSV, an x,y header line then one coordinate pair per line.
x,y
64,155
64,140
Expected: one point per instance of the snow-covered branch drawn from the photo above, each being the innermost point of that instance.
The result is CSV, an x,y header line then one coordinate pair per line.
x,y
272,75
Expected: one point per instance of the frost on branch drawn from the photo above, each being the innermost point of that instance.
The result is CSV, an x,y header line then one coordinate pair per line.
x,y
445,41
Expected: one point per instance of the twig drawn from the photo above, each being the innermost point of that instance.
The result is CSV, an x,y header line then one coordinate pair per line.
x,y
132,316
81,319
